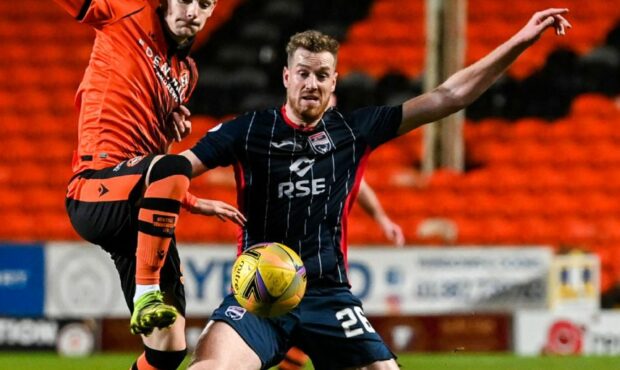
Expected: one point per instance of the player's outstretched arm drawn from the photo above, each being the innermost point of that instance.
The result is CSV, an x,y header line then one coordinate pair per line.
x,y
198,168
370,204
210,207
465,86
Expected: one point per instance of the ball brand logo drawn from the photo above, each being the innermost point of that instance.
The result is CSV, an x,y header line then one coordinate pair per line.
x,y
237,273
235,312
252,289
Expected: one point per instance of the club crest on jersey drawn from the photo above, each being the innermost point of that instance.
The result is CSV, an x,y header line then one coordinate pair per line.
x,y
320,142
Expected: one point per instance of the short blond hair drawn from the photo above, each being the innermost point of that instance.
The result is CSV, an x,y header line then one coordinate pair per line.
x,y
313,41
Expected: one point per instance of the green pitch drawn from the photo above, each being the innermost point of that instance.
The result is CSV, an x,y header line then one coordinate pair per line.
x,y
459,361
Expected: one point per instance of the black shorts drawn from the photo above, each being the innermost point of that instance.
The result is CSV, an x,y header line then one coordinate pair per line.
x,y
103,207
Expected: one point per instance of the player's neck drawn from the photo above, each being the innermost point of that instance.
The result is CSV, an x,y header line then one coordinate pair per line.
x,y
297,122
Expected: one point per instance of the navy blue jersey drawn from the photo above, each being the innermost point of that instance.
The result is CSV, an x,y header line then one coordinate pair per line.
x,y
295,186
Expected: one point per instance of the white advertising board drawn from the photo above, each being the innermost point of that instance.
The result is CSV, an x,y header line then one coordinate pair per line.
x,y
587,333
442,280
81,280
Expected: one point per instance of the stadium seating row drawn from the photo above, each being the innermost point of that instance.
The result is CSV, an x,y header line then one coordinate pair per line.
x,y
400,25
531,181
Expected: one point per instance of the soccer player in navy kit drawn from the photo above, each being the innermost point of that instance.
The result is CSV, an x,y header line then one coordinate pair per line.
x,y
298,170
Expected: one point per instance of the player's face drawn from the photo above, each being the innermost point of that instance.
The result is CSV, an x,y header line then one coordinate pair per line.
x,y
310,80
186,17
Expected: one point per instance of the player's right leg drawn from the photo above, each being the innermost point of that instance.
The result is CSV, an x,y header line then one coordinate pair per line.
x,y
237,339
220,347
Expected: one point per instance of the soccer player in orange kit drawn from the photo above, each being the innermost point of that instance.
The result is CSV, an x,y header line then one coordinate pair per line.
x,y
126,192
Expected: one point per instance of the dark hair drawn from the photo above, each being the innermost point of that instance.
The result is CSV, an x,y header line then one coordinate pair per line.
x,y
313,41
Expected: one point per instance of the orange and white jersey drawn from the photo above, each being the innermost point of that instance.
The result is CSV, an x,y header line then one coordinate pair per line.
x,y
137,75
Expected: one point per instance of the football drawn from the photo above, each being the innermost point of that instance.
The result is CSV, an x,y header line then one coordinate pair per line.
x,y
268,279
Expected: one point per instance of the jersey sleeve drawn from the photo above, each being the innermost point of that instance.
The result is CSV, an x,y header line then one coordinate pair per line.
x,y
217,147
98,13
377,124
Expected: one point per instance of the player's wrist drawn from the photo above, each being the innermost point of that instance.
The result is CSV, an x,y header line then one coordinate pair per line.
x,y
189,202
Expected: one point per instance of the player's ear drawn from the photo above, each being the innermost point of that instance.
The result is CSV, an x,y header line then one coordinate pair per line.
x,y
285,76
334,82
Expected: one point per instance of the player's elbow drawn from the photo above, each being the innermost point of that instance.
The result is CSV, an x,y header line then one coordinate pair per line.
x,y
198,167
454,99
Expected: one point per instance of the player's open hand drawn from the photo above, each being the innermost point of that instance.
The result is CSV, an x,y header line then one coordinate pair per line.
x,y
221,210
392,231
540,21
178,125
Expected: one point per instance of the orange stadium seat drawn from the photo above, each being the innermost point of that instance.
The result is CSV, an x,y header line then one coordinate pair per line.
x,y
17,150
530,130
10,198
451,203
593,105
519,204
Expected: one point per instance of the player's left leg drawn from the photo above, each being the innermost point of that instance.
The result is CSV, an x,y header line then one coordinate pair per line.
x,y
164,348
166,182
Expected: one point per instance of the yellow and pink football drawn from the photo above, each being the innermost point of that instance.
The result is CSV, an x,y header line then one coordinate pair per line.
x,y
269,279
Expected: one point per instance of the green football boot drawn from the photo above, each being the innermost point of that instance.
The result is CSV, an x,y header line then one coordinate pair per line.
x,y
151,312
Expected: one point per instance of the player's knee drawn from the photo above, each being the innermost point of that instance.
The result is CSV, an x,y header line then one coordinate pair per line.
x,y
164,360
170,165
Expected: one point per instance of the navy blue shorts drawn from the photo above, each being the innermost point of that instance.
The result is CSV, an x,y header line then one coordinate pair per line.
x,y
329,326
